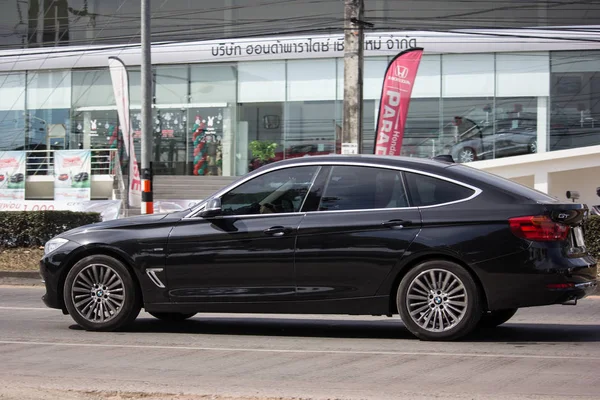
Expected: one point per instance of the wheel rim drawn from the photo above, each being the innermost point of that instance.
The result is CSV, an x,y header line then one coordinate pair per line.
x,y
437,300
98,293
467,155
533,147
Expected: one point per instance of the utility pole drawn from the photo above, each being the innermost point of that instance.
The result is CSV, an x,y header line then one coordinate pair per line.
x,y
147,131
353,77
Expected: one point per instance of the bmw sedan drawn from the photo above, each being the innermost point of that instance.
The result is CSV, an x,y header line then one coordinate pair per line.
x,y
447,247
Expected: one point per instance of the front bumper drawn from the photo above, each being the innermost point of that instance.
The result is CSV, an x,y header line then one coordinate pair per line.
x,y
53,272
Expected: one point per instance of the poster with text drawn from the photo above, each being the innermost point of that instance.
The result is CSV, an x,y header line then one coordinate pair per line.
x,y
72,175
12,175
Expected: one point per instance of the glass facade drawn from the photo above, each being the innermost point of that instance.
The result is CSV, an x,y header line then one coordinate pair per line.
x,y
209,117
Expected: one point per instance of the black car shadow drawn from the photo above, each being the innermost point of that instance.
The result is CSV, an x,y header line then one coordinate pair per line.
x,y
513,333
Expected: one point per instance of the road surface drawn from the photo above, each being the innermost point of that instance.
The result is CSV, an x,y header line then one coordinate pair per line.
x,y
549,352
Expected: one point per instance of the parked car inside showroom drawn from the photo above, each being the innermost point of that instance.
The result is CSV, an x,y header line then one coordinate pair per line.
x,y
509,137
447,247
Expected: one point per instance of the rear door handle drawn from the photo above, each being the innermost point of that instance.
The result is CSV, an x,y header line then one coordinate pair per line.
x,y
396,223
277,231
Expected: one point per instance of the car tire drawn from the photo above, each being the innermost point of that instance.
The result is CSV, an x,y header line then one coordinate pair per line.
x,y
532,146
171,316
439,300
492,319
467,154
100,294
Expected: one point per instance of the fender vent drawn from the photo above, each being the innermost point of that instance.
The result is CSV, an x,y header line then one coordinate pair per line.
x,y
151,272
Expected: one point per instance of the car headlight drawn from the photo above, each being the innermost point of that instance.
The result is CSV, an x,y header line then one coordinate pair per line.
x,y
54,244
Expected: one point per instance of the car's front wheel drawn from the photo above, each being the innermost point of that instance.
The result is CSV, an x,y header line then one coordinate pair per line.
x,y
439,300
171,316
492,319
101,295
467,155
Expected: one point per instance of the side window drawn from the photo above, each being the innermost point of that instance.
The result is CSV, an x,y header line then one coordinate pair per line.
x,y
360,188
427,191
281,191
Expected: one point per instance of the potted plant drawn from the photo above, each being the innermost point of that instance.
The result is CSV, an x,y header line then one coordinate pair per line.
x,y
263,152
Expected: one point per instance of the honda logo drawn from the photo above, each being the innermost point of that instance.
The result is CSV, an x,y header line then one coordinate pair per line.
x,y
401,72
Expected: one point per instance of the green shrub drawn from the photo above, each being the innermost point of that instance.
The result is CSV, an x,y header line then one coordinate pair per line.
x,y
34,228
592,235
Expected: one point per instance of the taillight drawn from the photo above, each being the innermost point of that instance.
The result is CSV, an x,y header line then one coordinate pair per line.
x,y
538,228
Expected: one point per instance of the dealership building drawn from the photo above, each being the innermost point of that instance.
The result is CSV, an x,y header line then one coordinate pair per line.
x,y
518,98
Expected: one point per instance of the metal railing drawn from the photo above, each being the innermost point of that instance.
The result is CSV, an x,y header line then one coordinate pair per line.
x,y
104,162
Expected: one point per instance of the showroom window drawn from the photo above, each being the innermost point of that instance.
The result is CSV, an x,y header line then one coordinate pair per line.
x,y
47,117
310,113
422,135
94,116
48,109
12,111
213,106
575,99
261,100
94,120
169,120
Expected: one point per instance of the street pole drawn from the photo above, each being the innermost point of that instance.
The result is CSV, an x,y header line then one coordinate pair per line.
x,y
353,77
146,77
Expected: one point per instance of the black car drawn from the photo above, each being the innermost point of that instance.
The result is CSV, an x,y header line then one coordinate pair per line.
x,y
17,178
447,247
81,177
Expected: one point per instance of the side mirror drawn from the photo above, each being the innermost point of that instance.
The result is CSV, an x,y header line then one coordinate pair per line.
x,y
598,191
212,209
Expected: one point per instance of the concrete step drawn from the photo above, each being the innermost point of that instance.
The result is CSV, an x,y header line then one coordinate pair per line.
x,y
168,187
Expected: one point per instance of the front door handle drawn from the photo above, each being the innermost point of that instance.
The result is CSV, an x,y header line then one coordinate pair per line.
x,y
277,231
396,223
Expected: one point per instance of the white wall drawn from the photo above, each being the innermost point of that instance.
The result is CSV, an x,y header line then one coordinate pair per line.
x,y
574,169
585,181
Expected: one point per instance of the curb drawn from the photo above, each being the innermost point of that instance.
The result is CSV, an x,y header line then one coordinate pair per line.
x,y
20,274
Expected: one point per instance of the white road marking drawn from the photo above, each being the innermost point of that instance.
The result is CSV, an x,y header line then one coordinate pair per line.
x,y
27,308
343,352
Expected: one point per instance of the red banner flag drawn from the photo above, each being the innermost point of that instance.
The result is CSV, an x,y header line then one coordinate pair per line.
x,y
395,98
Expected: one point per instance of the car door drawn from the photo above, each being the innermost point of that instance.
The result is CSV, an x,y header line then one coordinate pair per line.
x,y
245,254
359,228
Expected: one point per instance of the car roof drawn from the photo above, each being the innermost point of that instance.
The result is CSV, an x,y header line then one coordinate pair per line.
x,y
423,164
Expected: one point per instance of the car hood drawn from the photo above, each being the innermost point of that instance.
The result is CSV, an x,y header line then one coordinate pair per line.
x,y
121,223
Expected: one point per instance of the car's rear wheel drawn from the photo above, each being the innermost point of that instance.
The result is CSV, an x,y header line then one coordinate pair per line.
x,y
492,319
439,300
101,295
171,316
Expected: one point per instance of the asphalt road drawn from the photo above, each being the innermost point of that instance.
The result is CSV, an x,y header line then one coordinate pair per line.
x,y
549,352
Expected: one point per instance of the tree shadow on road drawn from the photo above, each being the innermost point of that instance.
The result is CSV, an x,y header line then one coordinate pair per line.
x,y
513,333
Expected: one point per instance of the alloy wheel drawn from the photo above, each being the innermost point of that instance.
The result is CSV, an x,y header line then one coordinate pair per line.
x,y
533,147
98,293
437,300
466,155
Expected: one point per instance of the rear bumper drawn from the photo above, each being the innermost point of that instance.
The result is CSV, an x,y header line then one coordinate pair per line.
x,y
578,291
518,281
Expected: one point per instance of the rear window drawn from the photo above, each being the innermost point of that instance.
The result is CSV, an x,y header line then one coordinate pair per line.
x,y
428,191
505,185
